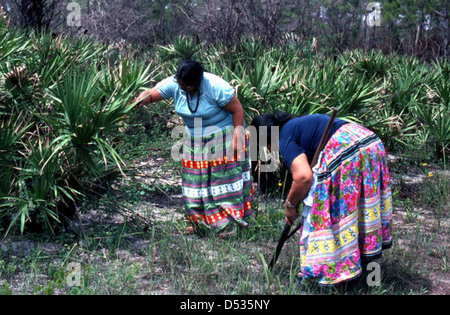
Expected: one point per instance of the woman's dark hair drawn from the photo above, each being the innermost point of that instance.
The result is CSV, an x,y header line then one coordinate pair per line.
x,y
190,72
277,119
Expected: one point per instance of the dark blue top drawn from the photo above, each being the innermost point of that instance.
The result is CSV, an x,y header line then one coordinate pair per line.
x,y
302,135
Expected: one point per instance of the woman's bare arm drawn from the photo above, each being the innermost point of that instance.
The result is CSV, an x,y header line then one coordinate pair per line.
x,y
147,97
235,108
301,184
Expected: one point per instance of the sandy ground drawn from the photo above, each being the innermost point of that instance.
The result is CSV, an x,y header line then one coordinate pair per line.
x,y
167,206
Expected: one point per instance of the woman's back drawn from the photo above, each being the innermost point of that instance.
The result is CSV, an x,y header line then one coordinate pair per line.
x,y
302,135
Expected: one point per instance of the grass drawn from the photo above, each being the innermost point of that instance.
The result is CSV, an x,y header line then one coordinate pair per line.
x,y
128,238
123,259
131,241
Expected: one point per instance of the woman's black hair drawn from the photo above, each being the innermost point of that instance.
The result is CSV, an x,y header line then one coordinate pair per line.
x,y
190,72
277,119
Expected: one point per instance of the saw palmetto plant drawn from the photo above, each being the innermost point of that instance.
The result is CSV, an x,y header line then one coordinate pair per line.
x,y
182,48
19,81
12,43
435,115
259,84
91,105
63,101
62,106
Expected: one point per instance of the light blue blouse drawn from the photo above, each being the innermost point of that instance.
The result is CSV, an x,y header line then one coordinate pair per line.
x,y
215,93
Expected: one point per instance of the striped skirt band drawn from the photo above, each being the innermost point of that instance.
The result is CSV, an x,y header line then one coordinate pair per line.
x,y
217,189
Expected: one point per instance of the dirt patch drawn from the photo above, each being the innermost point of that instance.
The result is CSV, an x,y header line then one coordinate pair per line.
x,y
128,256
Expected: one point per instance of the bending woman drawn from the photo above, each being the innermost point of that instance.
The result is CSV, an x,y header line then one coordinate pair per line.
x,y
349,218
217,184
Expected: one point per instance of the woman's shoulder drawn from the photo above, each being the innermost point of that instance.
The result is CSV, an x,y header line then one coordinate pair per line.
x,y
288,128
297,124
296,121
309,119
169,81
211,76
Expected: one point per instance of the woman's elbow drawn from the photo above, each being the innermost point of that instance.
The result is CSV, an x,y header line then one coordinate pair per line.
x,y
303,180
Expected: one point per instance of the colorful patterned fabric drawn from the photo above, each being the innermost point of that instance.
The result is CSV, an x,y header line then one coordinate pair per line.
x,y
217,191
351,214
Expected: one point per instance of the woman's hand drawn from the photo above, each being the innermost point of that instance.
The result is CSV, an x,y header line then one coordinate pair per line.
x,y
136,101
291,213
147,97
238,145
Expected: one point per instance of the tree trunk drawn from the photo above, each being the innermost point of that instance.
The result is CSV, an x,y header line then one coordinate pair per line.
x,y
36,14
447,35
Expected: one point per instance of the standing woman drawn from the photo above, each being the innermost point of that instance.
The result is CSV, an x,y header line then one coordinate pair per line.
x,y
349,219
216,186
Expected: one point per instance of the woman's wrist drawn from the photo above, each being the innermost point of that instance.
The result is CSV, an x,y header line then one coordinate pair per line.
x,y
291,205
143,99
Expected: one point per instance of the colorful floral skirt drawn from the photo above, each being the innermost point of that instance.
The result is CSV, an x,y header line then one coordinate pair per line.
x,y
217,191
351,214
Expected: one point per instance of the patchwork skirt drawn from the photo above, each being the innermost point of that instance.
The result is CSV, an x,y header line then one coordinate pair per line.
x,y
350,221
217,190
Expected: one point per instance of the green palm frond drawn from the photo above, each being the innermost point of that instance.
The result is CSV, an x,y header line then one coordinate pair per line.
x,y
182,48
